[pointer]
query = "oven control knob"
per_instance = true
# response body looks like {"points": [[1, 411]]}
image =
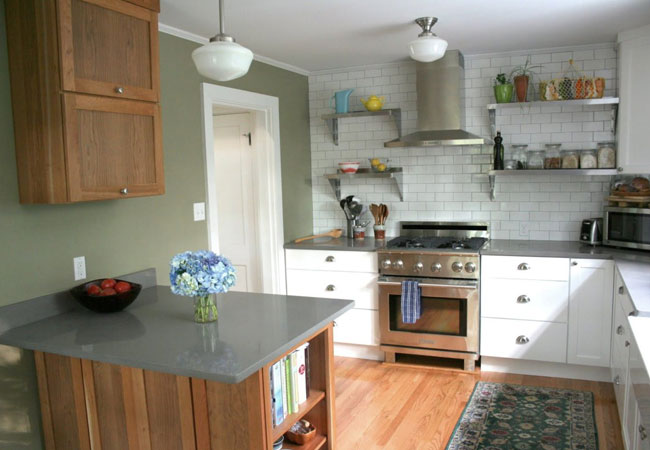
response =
{"points": [[418, 267], [399, 264], [385, 264], [437, 267], [457, 266], [470, 267]]}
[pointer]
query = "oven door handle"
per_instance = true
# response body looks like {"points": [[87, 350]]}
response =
{"points": [[469, 285]]}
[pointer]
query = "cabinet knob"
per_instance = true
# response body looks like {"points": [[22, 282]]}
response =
{"points": [[619, 169], [620, 330], [330, 287], [627, 343], [523, 299], [621, 290], [642, 432], [522, 339], [329, 259], [574, 263], [124, 191], [119, 90], [617, 380], [523, 266]]}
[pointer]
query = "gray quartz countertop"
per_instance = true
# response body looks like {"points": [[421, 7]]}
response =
{"points": [[368, 244], [157, 332]]}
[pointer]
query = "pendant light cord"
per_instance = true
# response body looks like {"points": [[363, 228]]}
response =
{"points": [[222, 19]]}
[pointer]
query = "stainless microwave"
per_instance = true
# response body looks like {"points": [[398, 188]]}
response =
{"points": [[627, 227]]}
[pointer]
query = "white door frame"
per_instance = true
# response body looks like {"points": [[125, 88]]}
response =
{"points": [[266, 140]]}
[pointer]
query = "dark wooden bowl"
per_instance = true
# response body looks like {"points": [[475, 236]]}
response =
{"points": [[109, 303], [301, 438]]}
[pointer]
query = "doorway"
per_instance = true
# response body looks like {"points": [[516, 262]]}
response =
{"points": [[243, 185]]}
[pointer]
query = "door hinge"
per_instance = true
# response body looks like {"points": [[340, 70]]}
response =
{"points": [[248, 135]]}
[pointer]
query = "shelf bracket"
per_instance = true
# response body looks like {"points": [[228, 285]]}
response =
{"points": [[399, 182], [493, 121], [614, 119], [396, 114], [493, 181], [333, 125], [336, 187]]}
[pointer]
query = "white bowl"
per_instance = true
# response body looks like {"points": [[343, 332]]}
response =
{"points": [[349, 167]]}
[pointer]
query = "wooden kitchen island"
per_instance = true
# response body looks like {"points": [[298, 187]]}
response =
{"points": [[150, 378]]}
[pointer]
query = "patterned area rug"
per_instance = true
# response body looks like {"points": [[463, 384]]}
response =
{"points": [[508, 416]]}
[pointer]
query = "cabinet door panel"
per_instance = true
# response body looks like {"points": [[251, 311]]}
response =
{"points": [[620, 355], [525, 299], [112, 145], [96, 58], [590, 312]]}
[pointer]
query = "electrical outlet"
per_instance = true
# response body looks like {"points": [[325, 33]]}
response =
{"points": [[524, 229], [79, 264], [199, 211]]}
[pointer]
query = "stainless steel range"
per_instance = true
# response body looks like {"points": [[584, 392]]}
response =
{"points": [[444, 258]]}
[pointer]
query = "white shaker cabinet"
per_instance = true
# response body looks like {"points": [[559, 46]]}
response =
{"points": [[590, 312], [634, 108]]}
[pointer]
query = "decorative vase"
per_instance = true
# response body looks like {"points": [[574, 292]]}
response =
{"points": [[205, 310], [521, 87], [503, 93]]}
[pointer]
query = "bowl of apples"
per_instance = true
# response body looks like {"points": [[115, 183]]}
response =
{"points": [[106, 295]]}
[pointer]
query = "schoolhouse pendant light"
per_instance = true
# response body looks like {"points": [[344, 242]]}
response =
{"points": [[222, 59], [427, 47]]}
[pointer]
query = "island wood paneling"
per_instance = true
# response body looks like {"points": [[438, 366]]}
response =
{"points": [[101, 406]]}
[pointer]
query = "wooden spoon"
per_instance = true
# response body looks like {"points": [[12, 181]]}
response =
{"points": [[336, 233]]}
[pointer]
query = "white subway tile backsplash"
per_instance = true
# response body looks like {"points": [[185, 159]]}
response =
{"points": [[450, 183]]}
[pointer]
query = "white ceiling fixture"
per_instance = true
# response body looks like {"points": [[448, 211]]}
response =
{"points": [[427, 47], [222, 59]]}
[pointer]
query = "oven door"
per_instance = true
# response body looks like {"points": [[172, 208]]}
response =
{"points": [[627, 227], [449, 318]]}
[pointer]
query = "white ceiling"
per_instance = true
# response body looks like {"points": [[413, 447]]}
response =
{"points": [[325, 34]]}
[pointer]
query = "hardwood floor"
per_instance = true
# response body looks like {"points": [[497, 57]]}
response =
{"points": [[395, 408]]}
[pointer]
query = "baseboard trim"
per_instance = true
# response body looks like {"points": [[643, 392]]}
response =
{"points": [[371, 352], [545, 369]]}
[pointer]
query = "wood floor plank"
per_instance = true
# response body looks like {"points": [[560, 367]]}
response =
{"points": [[388, 407]]}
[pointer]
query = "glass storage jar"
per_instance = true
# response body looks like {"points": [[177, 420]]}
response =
{"points": [[552, 160], [536, 159], [606, 155], [519, 154], [570, 159], [511, 164], [588, 159]]}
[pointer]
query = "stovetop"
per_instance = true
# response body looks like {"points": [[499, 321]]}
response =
{"points": [[436, 243]]}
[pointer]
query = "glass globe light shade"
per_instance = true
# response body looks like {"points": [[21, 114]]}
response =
{"points": [[427, 48], [222, 60]]}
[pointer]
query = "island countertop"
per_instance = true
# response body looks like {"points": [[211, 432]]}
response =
{"points": [[157, 332]]}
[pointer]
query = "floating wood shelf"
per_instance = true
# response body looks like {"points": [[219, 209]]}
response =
{"points": [[493, 174], [318, 442], [393, 173], [332, 120]]}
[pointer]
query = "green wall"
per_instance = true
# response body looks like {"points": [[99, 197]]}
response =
{"points": [[38, 242]]}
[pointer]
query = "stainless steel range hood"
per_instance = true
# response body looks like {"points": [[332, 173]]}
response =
{"points": [[441, 108]]}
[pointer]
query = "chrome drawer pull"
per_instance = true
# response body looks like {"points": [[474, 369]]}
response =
{"points": [[329, 259], [621, 290], [523, 266], [119, 90], [523, 299], [617, 380], [124, 191], [620, 330], [330, 287], [574, 263], [522, 340]]}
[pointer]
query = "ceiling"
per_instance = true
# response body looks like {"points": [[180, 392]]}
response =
{"points": [[326, 34]]}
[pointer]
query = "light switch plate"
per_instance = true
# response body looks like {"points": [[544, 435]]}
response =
{"points": [[79, 264], [199, 211]]}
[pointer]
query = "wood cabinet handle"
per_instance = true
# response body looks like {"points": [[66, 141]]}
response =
{"points": [[523, 266], [523, 299], [124, 191], [119, 90], [330, 287], [329, 259], [522, 339]]}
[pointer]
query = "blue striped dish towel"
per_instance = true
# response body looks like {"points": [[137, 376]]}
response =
{"points": [[411, 305]]}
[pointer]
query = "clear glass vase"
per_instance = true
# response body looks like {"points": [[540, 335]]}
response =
{"points": [[205, 309]]}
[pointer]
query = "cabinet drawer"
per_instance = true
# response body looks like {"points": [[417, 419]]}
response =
{"points": [[357, 326], [525, 268], [332, 260], [525, 299], [547, 341], [360, 287]]}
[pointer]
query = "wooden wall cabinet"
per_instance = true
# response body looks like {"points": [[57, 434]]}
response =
{"points": [[85, 85]]}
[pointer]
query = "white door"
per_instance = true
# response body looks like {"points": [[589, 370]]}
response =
{"points": [[590, 312], [236, 190]]}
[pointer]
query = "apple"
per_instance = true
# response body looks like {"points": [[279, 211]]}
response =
{"points": [[108, 283], [122, 286]]}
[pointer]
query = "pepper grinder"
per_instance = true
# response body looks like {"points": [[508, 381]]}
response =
{"points": [[498, 152]]}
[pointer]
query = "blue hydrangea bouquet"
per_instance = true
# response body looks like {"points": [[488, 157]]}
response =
{"points": [[200, 274]]}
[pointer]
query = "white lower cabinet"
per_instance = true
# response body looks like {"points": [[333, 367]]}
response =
{"points": [[524, 339], [350, 275], [590, 312]]}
